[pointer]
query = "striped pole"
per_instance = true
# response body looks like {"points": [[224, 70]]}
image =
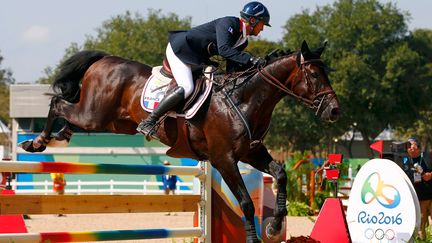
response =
{"points": [[104, 235], [93, 168]]}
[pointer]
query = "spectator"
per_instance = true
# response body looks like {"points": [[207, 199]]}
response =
{"points": [[3, 180], [169, 182], [59, 184], [421, 178]]}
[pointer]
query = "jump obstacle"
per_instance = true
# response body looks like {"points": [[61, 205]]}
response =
{"points": [[219, 210], [331, 224], [70, 204]]}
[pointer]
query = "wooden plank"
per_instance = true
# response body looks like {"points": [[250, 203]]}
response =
{"points": [[82, 204]]}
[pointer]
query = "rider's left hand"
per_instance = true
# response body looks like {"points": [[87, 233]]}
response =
{"points": [[257, 61], [427, 176]]}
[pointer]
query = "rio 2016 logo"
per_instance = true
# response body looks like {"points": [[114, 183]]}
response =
{"points": [[386, 195]]}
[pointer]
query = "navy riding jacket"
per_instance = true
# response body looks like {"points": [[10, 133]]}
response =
{"points": [[192, 46]]}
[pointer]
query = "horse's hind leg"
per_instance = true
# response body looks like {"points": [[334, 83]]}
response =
{"points": [[262, 160], [232, 177], [39, 143], [63, 136]]}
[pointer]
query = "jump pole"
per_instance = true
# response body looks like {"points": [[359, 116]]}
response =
{"points": [[104, 235], [92, 168], [202, 172]]}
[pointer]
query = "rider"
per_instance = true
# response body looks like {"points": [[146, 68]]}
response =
{"points": [[190, 50]]}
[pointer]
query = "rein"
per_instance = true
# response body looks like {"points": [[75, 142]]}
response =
{"points": [[316, 103]]}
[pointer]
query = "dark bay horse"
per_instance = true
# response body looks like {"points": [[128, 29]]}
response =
{"points": [[109, 99]]}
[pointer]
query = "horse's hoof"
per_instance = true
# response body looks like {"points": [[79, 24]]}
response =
{"points": [[271, 232], [28, 146]]}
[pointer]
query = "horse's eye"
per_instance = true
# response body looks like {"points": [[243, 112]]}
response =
{"points": [[315, 75]]}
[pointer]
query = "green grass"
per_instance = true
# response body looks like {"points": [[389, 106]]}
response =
{"points": [[428, 237]]}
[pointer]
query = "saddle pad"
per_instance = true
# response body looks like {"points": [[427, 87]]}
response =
{"points": [[155, 89]]}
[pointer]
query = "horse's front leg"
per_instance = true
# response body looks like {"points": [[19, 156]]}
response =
{"points": [[40, 142], [230, 173], [262, 160]]}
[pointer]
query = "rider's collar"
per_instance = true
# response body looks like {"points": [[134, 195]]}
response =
{"points": [[243, 37], [244, 32]]}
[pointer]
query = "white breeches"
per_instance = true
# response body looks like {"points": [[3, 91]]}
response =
{"points": [[182, 72]]}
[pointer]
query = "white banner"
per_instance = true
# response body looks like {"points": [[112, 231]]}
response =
{"points": [[383, 206]]}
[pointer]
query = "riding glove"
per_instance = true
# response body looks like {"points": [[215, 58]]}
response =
{"points": [[257, 61]]}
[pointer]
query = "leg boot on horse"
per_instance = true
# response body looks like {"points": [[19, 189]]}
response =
{"points": [[260, 158], [169, 102]]}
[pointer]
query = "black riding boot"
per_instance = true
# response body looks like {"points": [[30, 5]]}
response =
{"points": [[169, 102]]}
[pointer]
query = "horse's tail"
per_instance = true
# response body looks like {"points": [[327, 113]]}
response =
{"points": [[67, 82]]}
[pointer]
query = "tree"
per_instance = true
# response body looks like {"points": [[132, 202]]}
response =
{"points": [[5, 80], [137, 38], [131, 36], [375, 65], [262, 47], [5, 74], [296, 127], [421, 41]]}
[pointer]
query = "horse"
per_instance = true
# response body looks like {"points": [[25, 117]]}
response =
{"points": [[229, 128]]}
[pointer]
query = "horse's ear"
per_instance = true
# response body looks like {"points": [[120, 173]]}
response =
{"points": [[320, 50], [305, 48]]}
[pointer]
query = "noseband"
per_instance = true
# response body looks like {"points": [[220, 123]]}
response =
{"points": [[320, 99]]}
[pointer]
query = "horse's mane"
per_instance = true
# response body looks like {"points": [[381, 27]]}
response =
{"points": [[243, 75], [277, 54]]}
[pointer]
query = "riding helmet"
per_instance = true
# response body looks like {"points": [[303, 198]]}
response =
{"points": [[257, 10]]}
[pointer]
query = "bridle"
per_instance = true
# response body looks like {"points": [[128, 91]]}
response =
{"points": [[320, 99]]}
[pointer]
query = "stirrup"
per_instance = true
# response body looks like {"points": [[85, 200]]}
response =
{"points": [[150, 136], [148, 133]]}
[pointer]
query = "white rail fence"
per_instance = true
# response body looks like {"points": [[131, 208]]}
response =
{"points": [[111, 187]]}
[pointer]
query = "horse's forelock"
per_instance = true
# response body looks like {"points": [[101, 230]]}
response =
{"points": [[318, 62]]}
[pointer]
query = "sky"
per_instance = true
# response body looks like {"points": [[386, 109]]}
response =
{"points": [[35, 34]]}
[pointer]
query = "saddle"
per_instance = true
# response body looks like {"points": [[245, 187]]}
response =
{"points": [[200, 85]]}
